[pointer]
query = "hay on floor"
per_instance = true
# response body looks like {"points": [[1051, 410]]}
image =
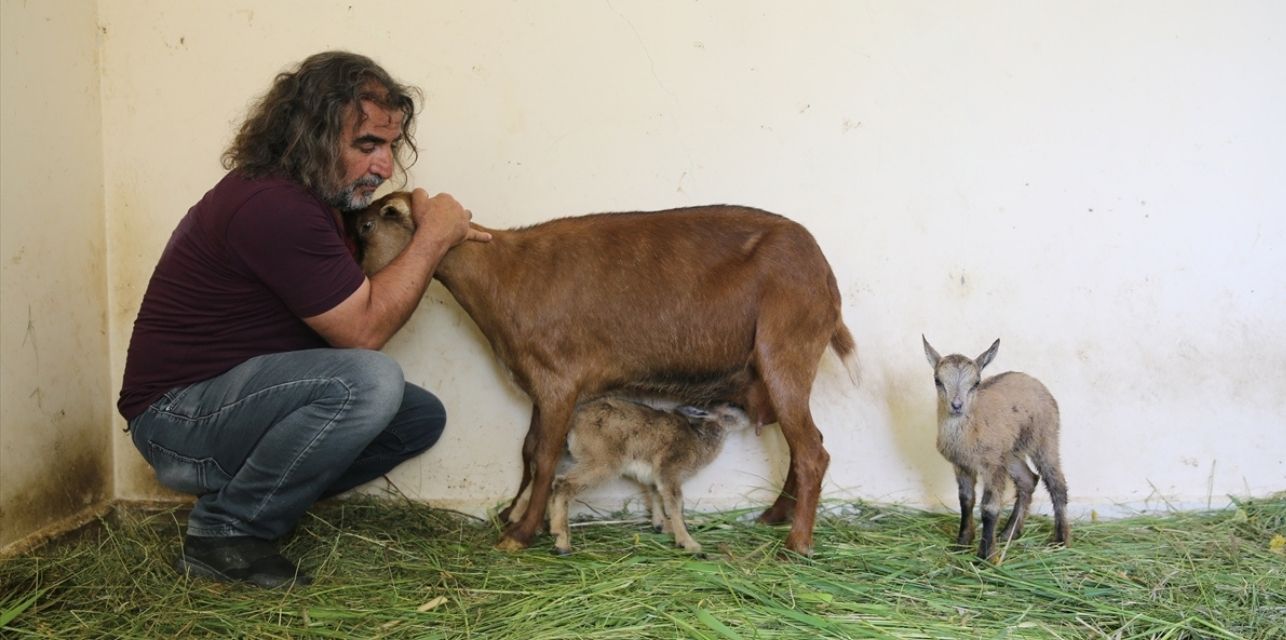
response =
{"points": [[390, 569]]}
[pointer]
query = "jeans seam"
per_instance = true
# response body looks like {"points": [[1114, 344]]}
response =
{"points": [[322, 432], [167, 411]]}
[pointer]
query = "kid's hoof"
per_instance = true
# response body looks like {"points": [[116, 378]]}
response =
{"points": [[562, 553]]}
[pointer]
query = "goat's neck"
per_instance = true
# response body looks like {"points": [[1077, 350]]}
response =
{"points": [[951, 431], [472, 272]]}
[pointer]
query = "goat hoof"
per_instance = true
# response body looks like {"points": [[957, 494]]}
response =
{"points": [[700, 555], [770, 518], [803, 551], [562, 553], [510, 545], [658, 528]]}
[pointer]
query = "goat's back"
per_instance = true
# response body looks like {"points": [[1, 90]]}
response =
{"points": [[1020, 407], [672, 295], [615, 433]]}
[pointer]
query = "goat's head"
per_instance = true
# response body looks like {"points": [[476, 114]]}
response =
{"points": [[957, 377], [383, 229], [726, 416]]}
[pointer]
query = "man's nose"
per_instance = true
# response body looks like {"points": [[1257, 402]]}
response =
{"points": [[382, 164]]}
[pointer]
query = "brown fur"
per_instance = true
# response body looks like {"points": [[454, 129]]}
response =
{"points": [[703, 304], [988, 429], [659, 450]]}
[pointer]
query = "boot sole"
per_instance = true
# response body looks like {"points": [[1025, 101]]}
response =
{"points": [[195, 568]]}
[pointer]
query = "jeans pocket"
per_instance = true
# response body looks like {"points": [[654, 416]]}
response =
{"points": [[197, 476]]}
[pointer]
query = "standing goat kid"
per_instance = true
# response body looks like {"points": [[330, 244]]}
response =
{"points": [[701, 304], [989, 428], [659, 450]]}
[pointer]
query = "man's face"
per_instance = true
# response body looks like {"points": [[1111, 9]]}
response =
{"points": [[367, 152]]}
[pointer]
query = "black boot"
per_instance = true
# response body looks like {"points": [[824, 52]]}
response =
{"points": [[238, 559]]}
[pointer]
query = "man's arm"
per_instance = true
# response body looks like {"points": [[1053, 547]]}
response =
{"points": [[369, 317]]}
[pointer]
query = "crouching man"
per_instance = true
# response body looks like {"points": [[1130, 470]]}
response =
{"points": [[253, 378]]}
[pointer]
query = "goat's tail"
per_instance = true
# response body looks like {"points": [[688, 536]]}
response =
{"points": [[844, 346]]}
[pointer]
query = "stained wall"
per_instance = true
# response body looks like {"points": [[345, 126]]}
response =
{"points": [[55, 387]]}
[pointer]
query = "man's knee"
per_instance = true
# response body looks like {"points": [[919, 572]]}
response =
{"points": [[424, 418], [374, 384], [378, 376]]}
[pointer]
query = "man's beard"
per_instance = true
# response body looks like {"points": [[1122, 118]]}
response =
{"points": [[348, 198]]}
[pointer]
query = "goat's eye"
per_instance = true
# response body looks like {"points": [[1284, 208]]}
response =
{"points": [[366, 227], [938, 383], [389, 212]]}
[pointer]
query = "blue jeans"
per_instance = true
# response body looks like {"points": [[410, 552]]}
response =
{"points": [[261, 443]]}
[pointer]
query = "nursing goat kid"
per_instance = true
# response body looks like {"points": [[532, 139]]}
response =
{"points": [[658, 449], [988, 429], [701, 304]]}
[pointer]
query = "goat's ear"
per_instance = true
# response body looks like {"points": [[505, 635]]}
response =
{"points": [[930, 353], [988, 355], [693, 414]]}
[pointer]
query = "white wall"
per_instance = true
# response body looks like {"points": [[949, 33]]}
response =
{"points": [[1098, 185], [55, 407]]}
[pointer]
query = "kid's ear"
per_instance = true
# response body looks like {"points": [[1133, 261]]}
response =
{"points": [[988, 355], [930, 353]]}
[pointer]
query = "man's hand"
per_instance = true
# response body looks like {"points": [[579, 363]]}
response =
{"points": [[443, 218], [384, 302]]}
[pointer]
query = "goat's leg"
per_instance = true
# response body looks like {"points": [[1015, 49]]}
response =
{"points": [[965, 481], [789, 342], [672, 496], [566, 487], [759, 408], [554, 421], [516, 507], [1047, 463], [654, 507], [784, 505], [558, 526], [808, 459], [1024, 486], [808, 462], [993, 490]]}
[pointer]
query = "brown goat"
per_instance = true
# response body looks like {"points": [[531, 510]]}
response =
{"points": [[989, 428], [702, 304]]}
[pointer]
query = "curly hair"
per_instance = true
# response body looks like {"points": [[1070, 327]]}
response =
{"points": [[295, 130]]}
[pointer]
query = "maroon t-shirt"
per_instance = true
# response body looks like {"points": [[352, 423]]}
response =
{"points": [[243, 266]]}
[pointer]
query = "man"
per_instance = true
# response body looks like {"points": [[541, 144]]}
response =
{"points": [[253, 378]]}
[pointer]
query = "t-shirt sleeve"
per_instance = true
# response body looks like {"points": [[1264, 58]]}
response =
{"points": [[297, 249]]}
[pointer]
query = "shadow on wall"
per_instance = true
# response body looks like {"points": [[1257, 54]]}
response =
{"points": [[915, 431]]}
